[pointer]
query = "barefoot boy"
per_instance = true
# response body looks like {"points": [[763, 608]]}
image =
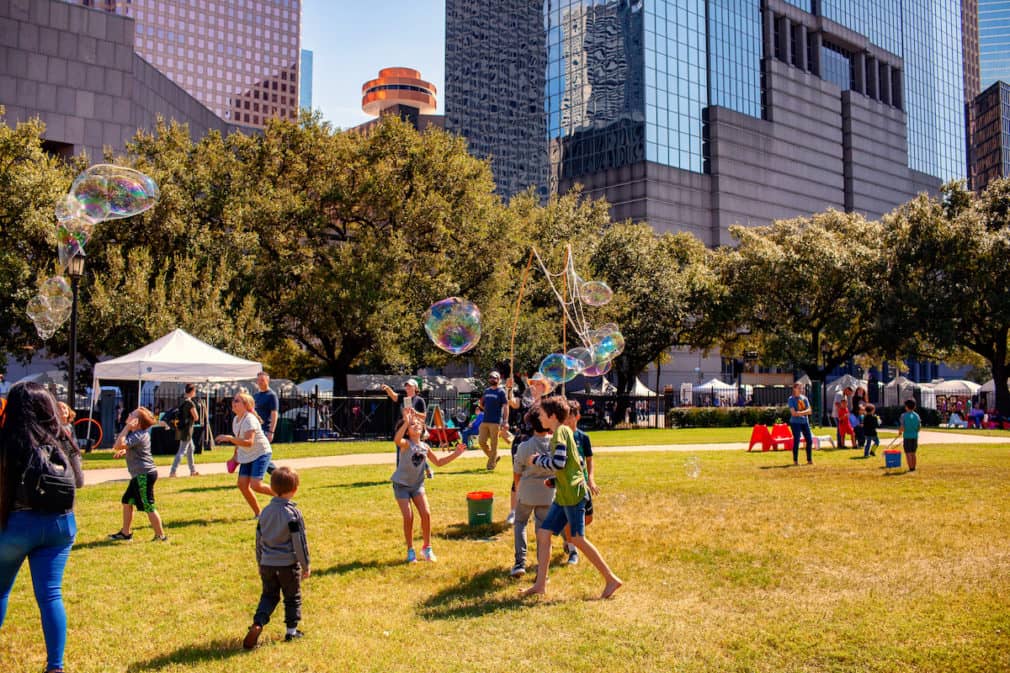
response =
{"points": [[569, 505]]}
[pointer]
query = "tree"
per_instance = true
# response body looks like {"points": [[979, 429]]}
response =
{"points": [[181, 264], [948, 276], [358, 234], [803, 292], [31, 181], [660, 283]]}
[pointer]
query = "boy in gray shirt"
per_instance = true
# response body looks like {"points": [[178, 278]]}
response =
{"points": [[283, 556], [534, 495]]}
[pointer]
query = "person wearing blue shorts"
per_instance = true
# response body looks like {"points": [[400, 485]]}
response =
{"points": [[408, 481], [570, 498], [252, 450]]}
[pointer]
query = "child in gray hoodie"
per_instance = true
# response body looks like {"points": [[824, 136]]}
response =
{"points": [[283, 556]]}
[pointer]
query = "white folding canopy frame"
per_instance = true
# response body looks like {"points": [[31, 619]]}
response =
{"points": [[177, 356]]}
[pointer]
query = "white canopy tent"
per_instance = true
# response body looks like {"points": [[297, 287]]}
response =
{"points": [[956, 387], [716, 388], [177, 356]]}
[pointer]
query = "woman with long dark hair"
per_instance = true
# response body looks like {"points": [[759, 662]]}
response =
{"points": [[31, 421]]}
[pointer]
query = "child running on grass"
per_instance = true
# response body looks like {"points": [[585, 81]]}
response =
{"points": [[908, 428], [845, 428], [408, 481], [585, 448], [282, 553], [569, 505]]}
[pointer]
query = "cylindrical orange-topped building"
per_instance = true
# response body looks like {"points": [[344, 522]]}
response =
{"points": [[398, 86]]}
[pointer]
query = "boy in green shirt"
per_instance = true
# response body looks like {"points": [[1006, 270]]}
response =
{"points": [[569, 505]]}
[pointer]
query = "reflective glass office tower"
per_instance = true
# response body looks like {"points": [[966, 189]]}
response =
{"points": [[696, 113], [994, 40]]}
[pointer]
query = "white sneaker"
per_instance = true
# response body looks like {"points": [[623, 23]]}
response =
{"points": [[511, 518]]}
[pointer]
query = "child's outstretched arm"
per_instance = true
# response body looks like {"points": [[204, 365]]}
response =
{"points": [[445, 460]]}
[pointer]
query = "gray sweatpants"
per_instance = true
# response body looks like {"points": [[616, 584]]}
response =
{"points": [[523, 512]]}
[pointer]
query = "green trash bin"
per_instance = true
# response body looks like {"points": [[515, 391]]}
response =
{"points": [[479, 506], [285, 431]]}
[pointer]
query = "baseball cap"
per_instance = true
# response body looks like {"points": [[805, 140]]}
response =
{"points": [[494, 376]]}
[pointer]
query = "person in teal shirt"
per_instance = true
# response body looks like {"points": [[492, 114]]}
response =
{"points": [[569, 506], [908, 428]]}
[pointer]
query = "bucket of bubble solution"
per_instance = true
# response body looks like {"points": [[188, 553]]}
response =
{"points": [[479, 505]]}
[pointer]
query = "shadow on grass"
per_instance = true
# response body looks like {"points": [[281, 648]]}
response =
{"points": [[207, 489], [357, 484], [462, 531], [185, 523], [777, 467], [94, 544], [342, 568], [215, 650], [473, 596]]}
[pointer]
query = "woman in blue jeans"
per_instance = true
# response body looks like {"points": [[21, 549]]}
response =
{"points": [[799, 423], [44, 538]]}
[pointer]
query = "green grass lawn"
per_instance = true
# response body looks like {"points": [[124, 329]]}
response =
{"points": [[751, 566]]}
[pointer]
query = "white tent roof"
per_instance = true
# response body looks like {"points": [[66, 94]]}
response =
{"points": [[956, 387], [641, 390], [710, 386], [177, 356], [988, 387]]}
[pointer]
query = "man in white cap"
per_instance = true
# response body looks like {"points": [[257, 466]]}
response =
{"points": [[494, 402], [408, 399]]}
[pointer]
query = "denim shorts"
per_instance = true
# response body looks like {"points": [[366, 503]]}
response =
{"points": [[256, 469], [401, 492], [573, 515]]}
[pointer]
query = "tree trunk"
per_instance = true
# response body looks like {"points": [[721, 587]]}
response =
{"points": [[1000, 370]]}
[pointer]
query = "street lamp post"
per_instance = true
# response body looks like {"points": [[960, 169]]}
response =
{"points": [[75, 268]]}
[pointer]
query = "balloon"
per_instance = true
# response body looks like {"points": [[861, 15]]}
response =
{"points": [[560, 368], [453, 324], [108, 192], [596, 293]]}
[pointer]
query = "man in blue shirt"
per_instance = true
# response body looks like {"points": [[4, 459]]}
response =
{"points": [[267, 405], [493, 401]]}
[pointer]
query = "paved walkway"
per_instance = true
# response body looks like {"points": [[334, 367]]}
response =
{"points": [[387, 457]]}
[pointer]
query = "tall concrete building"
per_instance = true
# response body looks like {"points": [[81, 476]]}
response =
{"points": [[698, 114], [237, 57], [75, 68], [994, 40]]}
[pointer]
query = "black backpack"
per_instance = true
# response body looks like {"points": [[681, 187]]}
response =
{"points": [[47, 483]]}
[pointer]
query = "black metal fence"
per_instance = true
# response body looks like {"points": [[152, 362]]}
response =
{"points": [[307, 417]]}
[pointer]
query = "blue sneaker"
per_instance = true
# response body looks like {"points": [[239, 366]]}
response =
{"points": [[411, 556]]}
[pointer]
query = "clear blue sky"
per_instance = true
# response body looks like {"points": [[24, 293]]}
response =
{"points": [[351, 41]]}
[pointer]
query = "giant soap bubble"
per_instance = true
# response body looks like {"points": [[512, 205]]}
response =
{"points": [[453, 324], [108, 192], [560, 368], [596, 292]]}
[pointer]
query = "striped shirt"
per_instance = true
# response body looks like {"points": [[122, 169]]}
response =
{"points": [[564, 460]]}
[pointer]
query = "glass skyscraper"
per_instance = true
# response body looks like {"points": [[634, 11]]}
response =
{"points": [[994, 40], [616, 68], [305, 83]]}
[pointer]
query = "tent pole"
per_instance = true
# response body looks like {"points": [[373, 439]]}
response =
{"points": [[91, 412]]}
